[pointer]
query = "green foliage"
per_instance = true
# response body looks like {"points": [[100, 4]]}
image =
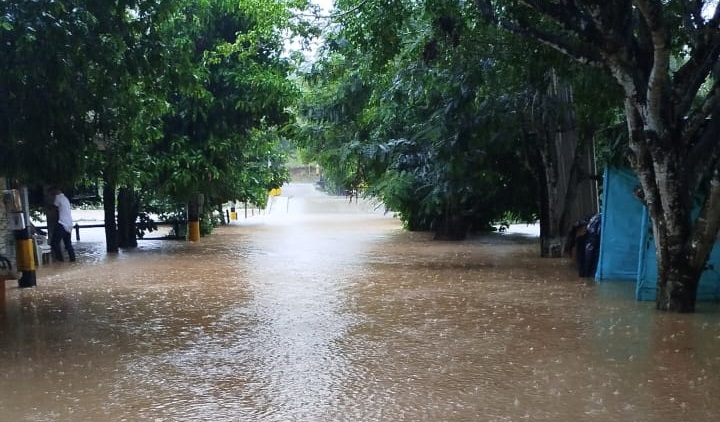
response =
{"points": [[421, 122], [144, 224], [221, 137], [209, 221], [71, 78], [439, 115], [171, 97]]}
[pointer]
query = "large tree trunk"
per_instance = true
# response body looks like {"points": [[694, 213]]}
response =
{"points": [[677, 278], [661, 194], [451, 227], [546, 244], [127, 216], [564, 167], [194, 212], [111, 239], [683, 245], [683, 248]]}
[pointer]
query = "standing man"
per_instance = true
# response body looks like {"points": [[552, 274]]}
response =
{"points": [[63, 229]]}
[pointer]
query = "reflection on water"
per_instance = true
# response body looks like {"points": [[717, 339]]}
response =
{"points": [[326, 311]]}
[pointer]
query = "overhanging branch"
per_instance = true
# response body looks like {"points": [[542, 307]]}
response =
{"points": [[572, 37], [706, 225], [706, 151], [697, 119], [688, 79]]}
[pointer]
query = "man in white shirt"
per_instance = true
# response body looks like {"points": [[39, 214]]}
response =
{"points": [[63, 229]]}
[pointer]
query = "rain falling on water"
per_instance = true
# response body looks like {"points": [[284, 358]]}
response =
{"points": [[323, 310]]}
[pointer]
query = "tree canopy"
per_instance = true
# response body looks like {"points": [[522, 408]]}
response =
{"points": [[665, 56], [221, 134], [179, 96], [428, 108], [70, 71]]}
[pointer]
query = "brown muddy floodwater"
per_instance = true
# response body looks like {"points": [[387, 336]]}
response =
{"points": [[324, 311]]}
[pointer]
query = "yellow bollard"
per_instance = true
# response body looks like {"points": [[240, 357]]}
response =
{"points": [[25, 252], [193, 231], [233, 216], [25, 262]]}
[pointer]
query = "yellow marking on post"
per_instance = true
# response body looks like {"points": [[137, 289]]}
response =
{"points": [[193, 231], [25, 252]]}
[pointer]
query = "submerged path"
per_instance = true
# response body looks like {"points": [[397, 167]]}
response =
{"points": [[327, 311]]}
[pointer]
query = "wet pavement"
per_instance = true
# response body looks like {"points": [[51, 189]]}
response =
{"points": [[323, 310]]}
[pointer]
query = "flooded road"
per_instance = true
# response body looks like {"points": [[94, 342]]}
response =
{"points": [[327, 311]]}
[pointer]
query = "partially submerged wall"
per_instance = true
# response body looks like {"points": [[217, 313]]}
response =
{"points": [[627, 249], [622, 217], [646, 288]]}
